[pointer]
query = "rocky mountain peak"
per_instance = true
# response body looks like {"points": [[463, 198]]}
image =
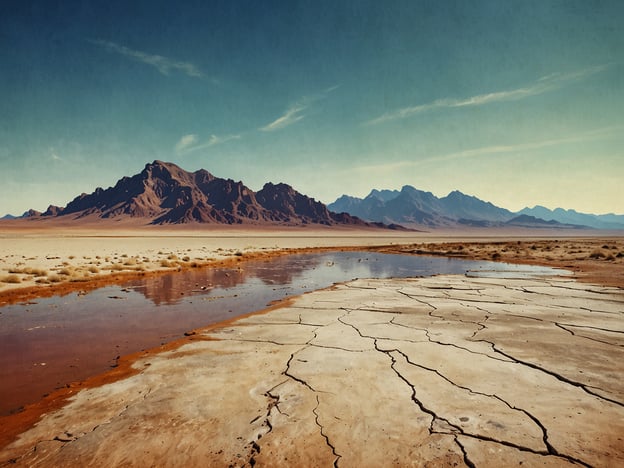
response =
{"points": [[164, 193]]}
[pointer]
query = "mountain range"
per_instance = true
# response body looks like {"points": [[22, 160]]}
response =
{"points": [[164, 193], [605, 221], [417, 208]]}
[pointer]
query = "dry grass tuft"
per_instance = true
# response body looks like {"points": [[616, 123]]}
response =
{"points": [[29, 271], [12, 279], [597, 255]]}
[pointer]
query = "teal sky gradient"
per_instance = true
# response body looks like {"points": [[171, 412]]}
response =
{"points": [[516, 102]]}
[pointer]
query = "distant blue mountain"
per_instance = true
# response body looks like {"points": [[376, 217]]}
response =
{"points": [[9, 216], [606, 221], [528, 221], [413, 206]]}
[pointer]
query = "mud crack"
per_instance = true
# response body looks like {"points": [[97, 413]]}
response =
{"points": [[323, 434], [562, 378]]}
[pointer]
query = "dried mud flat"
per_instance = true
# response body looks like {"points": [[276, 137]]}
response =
{"points": [[441, 371]]}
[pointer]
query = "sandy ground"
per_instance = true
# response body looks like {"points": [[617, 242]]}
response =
{"points": [[38, 262], [442, 371]]}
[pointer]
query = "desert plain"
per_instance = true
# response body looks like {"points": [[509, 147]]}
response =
{"points": [[448, 370]]}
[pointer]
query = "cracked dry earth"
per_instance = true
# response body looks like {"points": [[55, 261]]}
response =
{"points": [[441, 371]]}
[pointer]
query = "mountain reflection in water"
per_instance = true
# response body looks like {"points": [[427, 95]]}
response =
{"points": [[297, 273], [174, 288]]}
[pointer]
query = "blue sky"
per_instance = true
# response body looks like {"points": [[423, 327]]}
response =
{"points": [[516, 102]]}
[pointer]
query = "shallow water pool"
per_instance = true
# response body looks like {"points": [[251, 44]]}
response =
{"points": [[54, 341]]}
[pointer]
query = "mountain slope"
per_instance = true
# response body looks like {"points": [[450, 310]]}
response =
{"points": [[460, 206], [164, 193], [608, 221], [527, 221]]}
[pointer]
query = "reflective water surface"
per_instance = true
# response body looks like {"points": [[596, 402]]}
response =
{"points": [[53, 341]]}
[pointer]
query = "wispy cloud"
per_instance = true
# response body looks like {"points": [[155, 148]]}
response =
{"points": [[295, 112], [291, 116], [163, 64], [590, 135], [189, 143], [54, 155], [542, 85]]}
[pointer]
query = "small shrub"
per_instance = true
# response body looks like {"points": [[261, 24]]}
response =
{"points": [[94, 269], [166, 263], [13, 279], [55, 279], [29, 271], [66, 271], [596, 255], [496, 256]]}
